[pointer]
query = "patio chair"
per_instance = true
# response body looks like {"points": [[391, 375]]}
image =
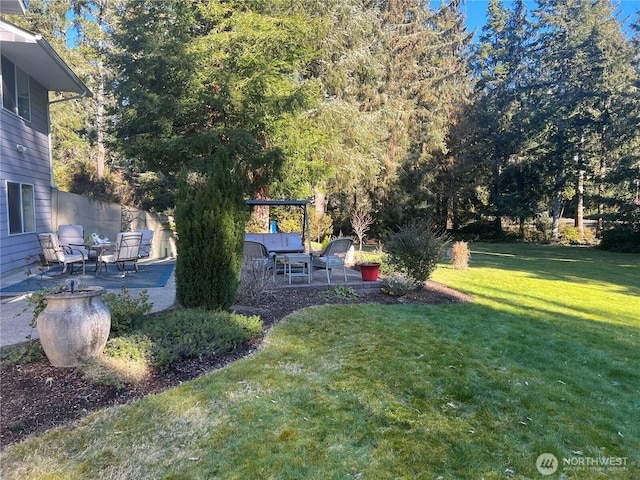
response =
{"points": [[72, 236], [333, 256], [54, 253], [147, 241], [256, 253], [126, 251]]}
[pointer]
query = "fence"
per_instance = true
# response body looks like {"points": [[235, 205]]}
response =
{"points": [[107, 219]]}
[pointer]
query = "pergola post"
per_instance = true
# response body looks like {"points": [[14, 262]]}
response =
{"points": [[306, 230]]}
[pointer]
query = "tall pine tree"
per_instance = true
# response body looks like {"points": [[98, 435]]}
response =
{"points": [[584, 66]]}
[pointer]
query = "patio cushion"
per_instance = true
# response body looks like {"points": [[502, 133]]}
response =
{"points": [[147, 241], [73, 236], [278, 242]]}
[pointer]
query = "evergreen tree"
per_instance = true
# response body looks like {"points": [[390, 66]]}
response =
{"points": [[583, 61], [208, 90], [263, 49], [154, 114], [210, 217], [502, 109], [339, 157], [627, 174], [427, 84]]}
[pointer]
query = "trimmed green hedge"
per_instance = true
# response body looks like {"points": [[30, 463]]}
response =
{"points": [[191, 333], [621, 239]]}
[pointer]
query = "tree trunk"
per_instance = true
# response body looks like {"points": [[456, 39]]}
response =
{"points": [[261, 212], [100, 100], [579, 216], [603, 172], [497, 175], [557, 201], [100, 123], [320, 201], [560, 153]]}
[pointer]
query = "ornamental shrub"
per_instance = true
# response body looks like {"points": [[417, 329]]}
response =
{"points": [[126, 310], [460, 255], [622, 238], [191, 333], [255, 282], [416, 248], [210, 217], [398, 284]]}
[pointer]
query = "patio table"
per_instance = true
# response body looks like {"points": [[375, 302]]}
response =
{"points": [[98, 248], [299, 259]]}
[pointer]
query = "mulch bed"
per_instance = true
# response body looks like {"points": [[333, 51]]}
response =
{"points": [[35, 397]]}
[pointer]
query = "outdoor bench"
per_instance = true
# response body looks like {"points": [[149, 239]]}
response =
{"points": [[278, 243]]}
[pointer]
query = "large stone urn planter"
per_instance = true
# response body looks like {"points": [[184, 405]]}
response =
{"points": [[74, 326]]}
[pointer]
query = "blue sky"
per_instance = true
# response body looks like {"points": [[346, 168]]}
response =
{"points": [[476, 10]]}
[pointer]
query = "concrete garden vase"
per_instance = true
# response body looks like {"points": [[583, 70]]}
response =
{"points": [[74, 326]]}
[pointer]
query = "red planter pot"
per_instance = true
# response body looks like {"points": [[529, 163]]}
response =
{"points": [[369, 271]]}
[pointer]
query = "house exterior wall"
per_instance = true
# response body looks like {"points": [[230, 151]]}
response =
{"points": [[53, 207], [31, 167]]}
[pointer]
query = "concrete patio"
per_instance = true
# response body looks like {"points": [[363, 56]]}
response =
{"points": [[15, 316]]}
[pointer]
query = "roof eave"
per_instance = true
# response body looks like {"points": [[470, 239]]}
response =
{"points": [[36, 57], [48, 49]]}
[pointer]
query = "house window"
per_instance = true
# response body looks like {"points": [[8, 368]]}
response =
{"points": [[22, 211], [15, 90]]}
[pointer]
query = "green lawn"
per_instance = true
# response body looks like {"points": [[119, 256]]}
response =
{"points": [[546, 360]]}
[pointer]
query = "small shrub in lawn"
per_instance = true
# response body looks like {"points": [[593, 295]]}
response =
{"points": [[343, 292], [255, 281], [193, 333], [398, 284], [460, 255], [571, 236], [623, 239], [126, 310], [27, 352], [416, 248]]}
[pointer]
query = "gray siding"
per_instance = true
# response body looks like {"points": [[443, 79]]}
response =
{"points": [[30, 167]]}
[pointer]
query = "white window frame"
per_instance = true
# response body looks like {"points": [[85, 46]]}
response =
{"points": [[24, 207], [20, 97]]}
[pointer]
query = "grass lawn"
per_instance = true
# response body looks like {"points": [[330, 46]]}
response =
{"points": [[546, 360]]}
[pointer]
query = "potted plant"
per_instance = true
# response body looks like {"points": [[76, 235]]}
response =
{"points": [[73, 323], [369, 271]]}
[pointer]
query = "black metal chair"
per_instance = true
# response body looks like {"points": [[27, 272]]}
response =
{"points": [[126, 250]]}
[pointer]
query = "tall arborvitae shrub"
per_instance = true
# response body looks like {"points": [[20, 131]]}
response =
{"points": [[210, 217]]}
